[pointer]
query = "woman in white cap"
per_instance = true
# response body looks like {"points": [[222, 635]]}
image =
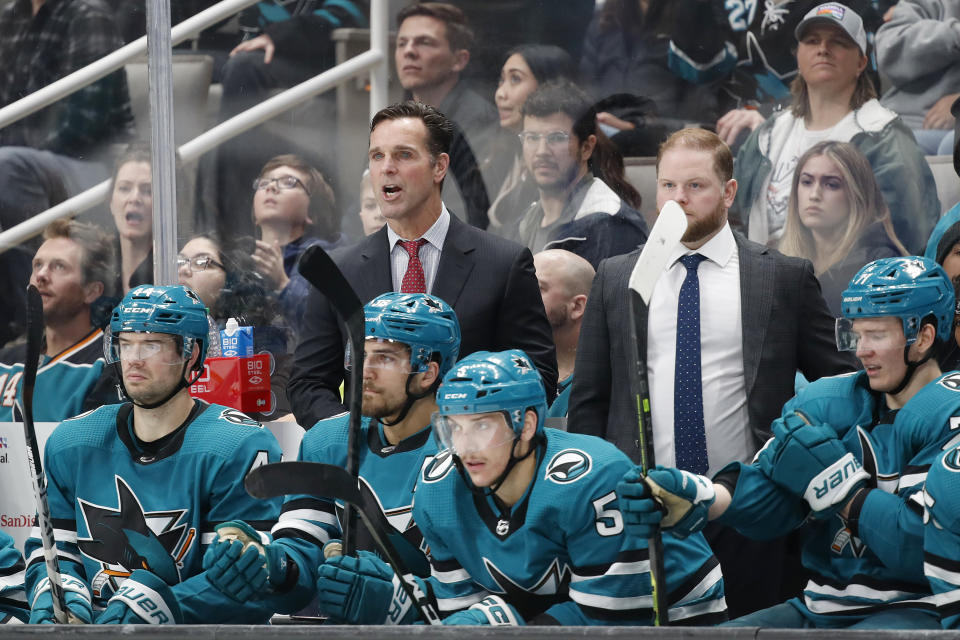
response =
{"points": [[833, 99]]}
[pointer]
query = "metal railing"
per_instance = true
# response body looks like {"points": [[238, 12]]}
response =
{"points": [[374, 61]]}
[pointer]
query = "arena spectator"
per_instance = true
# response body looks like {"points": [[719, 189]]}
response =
{"points": [[63, 149], [71, 269], [525, 68], [294, 208], [747, 48], [565, 280], [919, 52], [834, 100], [287, 43], [625, 62], [767, 319], [131, 205], [489, 281], [585, 204], [836, 217], [370, 217], [229, 285], [433, 48]]}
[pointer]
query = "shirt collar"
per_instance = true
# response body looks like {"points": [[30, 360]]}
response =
{"points": [[434, 236], [717, 249]]}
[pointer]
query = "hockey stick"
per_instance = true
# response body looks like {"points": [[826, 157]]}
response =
{"points": [[44, 523], [330, 481], [322, 272], [666, 233]]}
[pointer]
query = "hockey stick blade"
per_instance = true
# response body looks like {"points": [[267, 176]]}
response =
{"points": [[330, 481], [322, 272], [668, 228], [44, 523]]}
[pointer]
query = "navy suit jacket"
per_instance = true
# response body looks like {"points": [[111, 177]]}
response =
{"points": [[490, 282], [786, 327]]}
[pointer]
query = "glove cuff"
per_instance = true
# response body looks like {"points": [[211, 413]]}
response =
{"points": [[498, 612], [67, 582], [149, 597]]}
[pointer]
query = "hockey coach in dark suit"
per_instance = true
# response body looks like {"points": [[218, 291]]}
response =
{"points": [[490, 282], [729, 324]]}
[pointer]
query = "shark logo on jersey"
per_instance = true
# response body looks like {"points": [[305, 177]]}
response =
{"points": [[536, 598], [128, 538], [437, 468], [238, 417], [950, 381], [568, 466]]}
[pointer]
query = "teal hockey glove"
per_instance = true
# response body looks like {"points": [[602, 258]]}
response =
{"points": [[813, 464], [492, 610], [361, 590], [242, 564], [75, 592], [642, 514], [143, 598], [686, 496]]}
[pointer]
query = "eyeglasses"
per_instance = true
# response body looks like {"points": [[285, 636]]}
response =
{"points": [[283, 182], [554, 138], [198, 263]]}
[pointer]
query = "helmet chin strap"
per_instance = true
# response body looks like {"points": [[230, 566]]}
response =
{"points": [[911, 369], [496, 484], [183, 384], [411, 399]]}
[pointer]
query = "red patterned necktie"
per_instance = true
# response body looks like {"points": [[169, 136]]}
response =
{"points": [[413, 280]]}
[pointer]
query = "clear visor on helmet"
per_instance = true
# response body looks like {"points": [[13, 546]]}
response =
{"points": [[871, 333], [130, 346], [381, 354], [472, 432]]}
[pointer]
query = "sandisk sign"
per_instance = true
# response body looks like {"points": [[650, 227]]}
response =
{"points": [[241, 383]]}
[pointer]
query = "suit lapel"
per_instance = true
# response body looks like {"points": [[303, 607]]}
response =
{"points": [[756, 300], [456, 262], [375, 277]]}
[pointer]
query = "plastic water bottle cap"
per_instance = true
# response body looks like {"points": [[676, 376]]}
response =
{"points": [[232, 327]]}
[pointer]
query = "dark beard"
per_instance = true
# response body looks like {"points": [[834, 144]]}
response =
{"points": [[701, 228]]}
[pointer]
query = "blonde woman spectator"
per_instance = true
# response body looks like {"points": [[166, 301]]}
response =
{"points": [[836, 217]]}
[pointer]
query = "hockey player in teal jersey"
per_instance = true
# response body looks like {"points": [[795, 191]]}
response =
{"points": [[847, 462], [136, 489], [69, 270], [941, 535], [412, 339], [522, 522], [13, 604]]}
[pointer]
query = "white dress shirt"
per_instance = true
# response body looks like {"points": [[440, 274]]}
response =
{"points": [[429, 252], [725, 416]]}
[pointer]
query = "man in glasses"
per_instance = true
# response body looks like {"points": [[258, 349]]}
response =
{"points": [[847, 462], [583, 207], [136, 489], [70, 270], [412, 340]]}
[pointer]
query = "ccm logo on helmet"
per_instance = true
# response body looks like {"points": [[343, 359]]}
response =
{"points": [[454, 396]]}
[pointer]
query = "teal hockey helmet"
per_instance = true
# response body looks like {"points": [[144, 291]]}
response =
{"points": [[424, 323], [172, 309], [910, 288], [503, 381]]}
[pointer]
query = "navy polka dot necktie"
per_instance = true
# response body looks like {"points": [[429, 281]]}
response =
{"points": [[690, 439], [413, 280]]}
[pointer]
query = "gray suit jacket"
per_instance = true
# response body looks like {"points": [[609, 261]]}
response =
{"points": [[489, 281], [786, 327]]}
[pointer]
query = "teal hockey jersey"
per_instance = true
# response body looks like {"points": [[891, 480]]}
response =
{"points": [[559, 555], [116, 507]]}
